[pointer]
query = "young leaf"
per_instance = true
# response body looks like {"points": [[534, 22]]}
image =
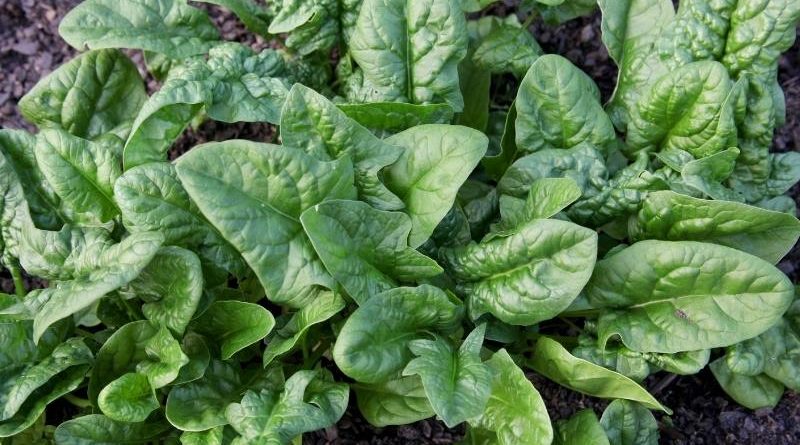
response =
{"points": [[528, 276], [394, 402], [670, 216], [686, 296], [582, 428], [366, 250], [401, 59], [372, 346], [254, 16], [457, 383], [556, 363], [170, 27], [629, 423], [95, 93], [515, 411], [311, 122], [254, 194], [558, 106], [235, 325], [436, 160], [129, 398], [754, 392]]}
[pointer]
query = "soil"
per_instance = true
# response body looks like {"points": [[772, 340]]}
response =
{"points": [[30, 48]]}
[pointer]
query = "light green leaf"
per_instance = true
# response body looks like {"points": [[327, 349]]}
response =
{"points": [[95, 93], [234, 325], [321, 308], [508, 48], [96, 429], [766, 234], [129, 398], [436, 161], [372, 346], [394, 402], [515, 412], [409, 52], [629, 423], [313, 123], [394, 117], [528, 276], [254, 194], [307, 403], [686, 296], [754, 392], [457, 383], [170, 27], [254, 16], [558, 106], [117, 266], [81, 173], [366, 250], [582, 428], [546, 198], [556, 363]]}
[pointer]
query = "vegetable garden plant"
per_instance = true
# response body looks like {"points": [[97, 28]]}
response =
{"points": [[416, 238]]}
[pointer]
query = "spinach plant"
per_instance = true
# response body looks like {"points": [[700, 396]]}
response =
{"points": [[409, 236]]}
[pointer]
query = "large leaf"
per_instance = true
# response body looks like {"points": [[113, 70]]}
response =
{"points": [[558, 106], [313, 123], [234, 325], [96, 429], [556, 363], [403, 58], [254, 194], [394, 402], [528, 276], [436, 160], [117, 266], [372, 346], [456, 382], [686, 296], [754, 392], [170, 27], [366, 250], [307, 403], [95, 93], [515, 412], [670, 216]]}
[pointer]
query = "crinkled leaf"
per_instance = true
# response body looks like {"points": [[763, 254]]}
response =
{"points": [[395, 117], [629, 423], [96, 429]]}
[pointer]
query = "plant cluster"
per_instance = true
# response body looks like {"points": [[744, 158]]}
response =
{"points": [[448, 209]]}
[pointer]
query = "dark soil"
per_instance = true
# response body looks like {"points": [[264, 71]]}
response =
{"points": [[30, 48]]}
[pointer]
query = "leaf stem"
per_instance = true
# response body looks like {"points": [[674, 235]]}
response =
{"points": [[77, 401], [19, 283]]}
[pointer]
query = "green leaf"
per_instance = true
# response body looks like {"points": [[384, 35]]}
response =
{"points": [[321, 308], [151, 198], [254, 194], [393, 402], [129, 398], [629, 423], [315, 25], [528, 276], [498, 160], [546, 198], [372, 346], [81, 173], [556, 363], [754, 392], [307, 403], [508, 48], [27, 388], [402, 60], [96, 429], [582, 428], [254, 16], [214, 436], [200, 405], [170, 27], [558, 106], [234, 325], [457, 383], [691, 108], [95, 93], [436, 160], [171, 285], [311, 122], [394, 117], [686, 296], [515, 412], [630, 30], [366, 250], [117, 266], [766, 234]]}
